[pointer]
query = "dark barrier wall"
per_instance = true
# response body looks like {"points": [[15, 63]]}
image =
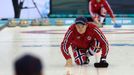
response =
{"points": [[122, 6], [69, 6], [81, 6]]}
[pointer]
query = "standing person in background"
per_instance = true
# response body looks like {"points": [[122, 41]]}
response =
{"points": [[28, 65], [98, 10], [17, 9]]}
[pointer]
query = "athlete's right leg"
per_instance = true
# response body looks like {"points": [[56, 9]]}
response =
{"points": [[102, 15]]}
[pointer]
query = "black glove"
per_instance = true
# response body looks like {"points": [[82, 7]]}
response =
{"points": [[102, 64]]}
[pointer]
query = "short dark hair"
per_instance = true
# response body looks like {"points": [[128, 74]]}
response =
{"points": [[28, 65]]}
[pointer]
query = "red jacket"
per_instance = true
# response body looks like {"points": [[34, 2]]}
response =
{"points": [[94, 7], [73, 38]]}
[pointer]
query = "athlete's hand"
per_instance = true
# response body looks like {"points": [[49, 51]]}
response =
{"points": [[114, 21], [69, 63], [97, 22]]}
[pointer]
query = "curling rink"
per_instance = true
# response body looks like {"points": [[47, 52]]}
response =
{"points": [[44, 42]]}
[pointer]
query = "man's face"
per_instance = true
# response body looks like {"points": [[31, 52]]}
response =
{"points": [[81, 28], [98, 1]]}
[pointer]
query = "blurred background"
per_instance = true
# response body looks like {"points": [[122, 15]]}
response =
{"points": [[28, 8], [33, 9], [68, 8], [64, 8]]}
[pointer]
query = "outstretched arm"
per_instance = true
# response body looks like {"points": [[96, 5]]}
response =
{"points": [[64, 47]]}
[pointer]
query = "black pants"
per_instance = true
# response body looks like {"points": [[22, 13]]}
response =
{"points": [[17, 9]]}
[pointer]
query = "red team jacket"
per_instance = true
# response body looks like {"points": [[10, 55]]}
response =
{"points": [[95, 7], [83, 41]]}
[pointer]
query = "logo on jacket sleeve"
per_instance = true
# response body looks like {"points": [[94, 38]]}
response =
{"points": [[88, 37]]}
